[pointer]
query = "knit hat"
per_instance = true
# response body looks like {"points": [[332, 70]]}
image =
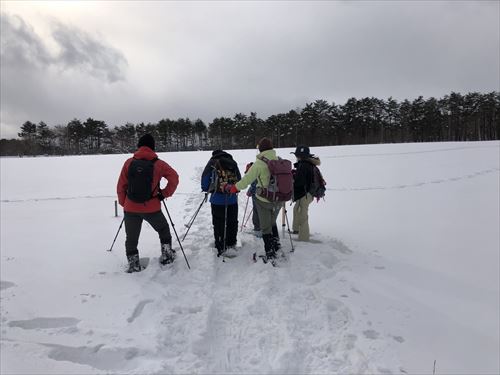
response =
{"points": [[302, 152], [217, 152], [265, 144], [146, 140], [249, 165]]}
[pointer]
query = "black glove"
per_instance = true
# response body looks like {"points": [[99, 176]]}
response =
{"points": [[160, 195]]}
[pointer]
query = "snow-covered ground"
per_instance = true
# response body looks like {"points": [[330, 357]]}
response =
{"points": [[403, 271]]}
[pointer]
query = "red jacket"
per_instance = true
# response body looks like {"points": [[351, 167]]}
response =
{"points": [[161, 169]]}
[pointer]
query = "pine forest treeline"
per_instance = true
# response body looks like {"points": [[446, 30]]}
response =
{"points": [[455, 117]]}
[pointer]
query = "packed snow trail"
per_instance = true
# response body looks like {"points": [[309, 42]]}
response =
{"points": [[374, 292], [219, 317], [251, 317]]}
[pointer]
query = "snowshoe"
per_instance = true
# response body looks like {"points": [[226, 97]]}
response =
{"points": [[167, 254], [136, 264], [230, 252]]}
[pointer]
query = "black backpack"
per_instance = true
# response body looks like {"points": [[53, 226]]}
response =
{"points": [[223, 172], [140, 180], [318, 184]]}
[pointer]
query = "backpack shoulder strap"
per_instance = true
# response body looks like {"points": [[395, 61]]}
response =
{"points": [[264, 159], [152, 160]]}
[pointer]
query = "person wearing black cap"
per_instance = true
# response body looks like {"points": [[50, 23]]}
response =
{"points": [[139, 194], [222, 169], [303, 178]]}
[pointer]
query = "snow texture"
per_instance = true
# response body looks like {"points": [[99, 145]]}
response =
{"points": [[402, 269]]}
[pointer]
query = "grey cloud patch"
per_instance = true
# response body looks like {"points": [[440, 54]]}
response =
{"points": [[22, 47], [79, 49], [266, 57]]}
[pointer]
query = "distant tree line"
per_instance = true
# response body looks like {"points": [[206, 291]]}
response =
{"points": [[455, 117]]}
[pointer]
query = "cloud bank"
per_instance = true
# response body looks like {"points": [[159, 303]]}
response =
{"points": [[206, 59]]}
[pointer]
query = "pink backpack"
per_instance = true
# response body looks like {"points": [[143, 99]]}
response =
{"points": [[280, 187]]}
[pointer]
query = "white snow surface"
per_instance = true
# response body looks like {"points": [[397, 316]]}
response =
{"points": [[402, 271]]}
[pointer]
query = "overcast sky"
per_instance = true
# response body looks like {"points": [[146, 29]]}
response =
{"points": [[134, 61]]}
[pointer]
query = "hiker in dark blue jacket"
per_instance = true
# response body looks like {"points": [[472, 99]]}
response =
{"points": [[220, 170]]}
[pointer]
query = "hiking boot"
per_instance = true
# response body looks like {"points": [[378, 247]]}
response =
{"points": [[269, 246], [133, 263], [276, 244], [276, 239], [167, 254], [230, 252]]}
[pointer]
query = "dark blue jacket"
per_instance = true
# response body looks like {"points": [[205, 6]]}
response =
{"points": [[253, 188], [227, 162]]}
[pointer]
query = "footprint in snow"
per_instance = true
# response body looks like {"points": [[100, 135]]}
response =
{"points": [[98, 357], [328, 260], [86, 296], [138, 310], [371, 334], [399, 339], [187, 310], [44, 323], [337, 244], [6, 284], [350, 341]]}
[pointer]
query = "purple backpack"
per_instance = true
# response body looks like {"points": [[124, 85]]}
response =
{"points": [[280, 187]]}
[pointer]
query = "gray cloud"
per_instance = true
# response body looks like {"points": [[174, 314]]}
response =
{"points": [[20, 45], [207, 59], [77, 50], [39, 84]]}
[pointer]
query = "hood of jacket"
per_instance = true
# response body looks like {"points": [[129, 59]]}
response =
{"points": [[268, 154], [226, 161], [145, 153], [314, 160]]}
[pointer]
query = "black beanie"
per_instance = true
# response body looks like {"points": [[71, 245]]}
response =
{"points": [[146, 140]]}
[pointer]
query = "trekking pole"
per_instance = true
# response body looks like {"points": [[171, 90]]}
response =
{"points": [[191, 221], [244, 214], [120, 227], [248, 218], [283, 215], [173, 227], [289, 233]]}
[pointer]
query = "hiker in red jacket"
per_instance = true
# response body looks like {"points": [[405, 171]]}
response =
{"points": [[140, 195]]}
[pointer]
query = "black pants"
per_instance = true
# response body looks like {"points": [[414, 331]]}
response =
{"points": [[218, 213], [133, 224]]}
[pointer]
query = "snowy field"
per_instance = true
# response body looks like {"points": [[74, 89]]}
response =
{"points": [[403, 271]]}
